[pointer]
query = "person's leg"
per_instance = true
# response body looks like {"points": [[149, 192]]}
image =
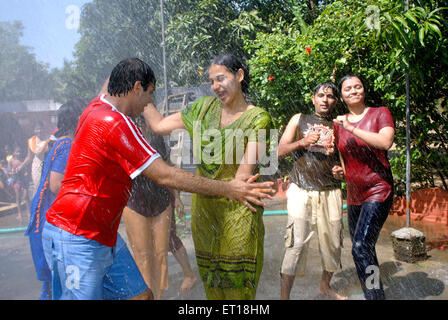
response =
{"points": [[49, 240], [298, 234], [286, 284], [145, 295], [78, 265], [372, 217], [158, 263], [40, 264], [176, 247], [353, 213], [190, 278], [325, 287], [27, 202], [45, 293], [123, 281], [17, 197], [138, 230], [328, 209]]}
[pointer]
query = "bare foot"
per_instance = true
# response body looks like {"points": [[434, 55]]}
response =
{"points": [[331, 293], [188, 283]]}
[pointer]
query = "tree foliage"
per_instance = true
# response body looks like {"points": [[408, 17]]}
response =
{"points": [[21, 76], [195, 31], [112, 30]]}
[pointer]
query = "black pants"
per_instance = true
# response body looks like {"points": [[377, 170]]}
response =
{"points": [[365, 222]]}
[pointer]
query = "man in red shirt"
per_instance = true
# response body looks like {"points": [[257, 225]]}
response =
{"points": [[109, 151]]}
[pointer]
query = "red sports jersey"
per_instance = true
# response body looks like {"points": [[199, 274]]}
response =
{"points": [[368, 173], [108, 151]]}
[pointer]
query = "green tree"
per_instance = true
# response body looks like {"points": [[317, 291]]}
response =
{"points": [[21, 76], [112, 30], [199, 32], [195, 31], [205, 28]]}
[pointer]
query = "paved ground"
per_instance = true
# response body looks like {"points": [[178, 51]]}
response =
{"points": [[402, 281]]}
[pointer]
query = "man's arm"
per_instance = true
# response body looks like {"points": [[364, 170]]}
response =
{"points": [[288, 141], [237, 190]]}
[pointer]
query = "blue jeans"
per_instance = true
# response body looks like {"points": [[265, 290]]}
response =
{"points": [[84, 269], [365, 222]]}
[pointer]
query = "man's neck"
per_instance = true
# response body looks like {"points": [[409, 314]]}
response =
{"points": [[120, 103], [322, 115]]}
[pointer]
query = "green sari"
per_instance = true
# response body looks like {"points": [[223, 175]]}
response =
{"points": [[227, 236]]}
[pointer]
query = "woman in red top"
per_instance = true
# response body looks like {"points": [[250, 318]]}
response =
{"points": [[363, 137]]}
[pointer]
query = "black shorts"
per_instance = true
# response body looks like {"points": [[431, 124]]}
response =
{"points": [[148, 198]]}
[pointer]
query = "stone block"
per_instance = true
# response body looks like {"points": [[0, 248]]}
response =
{"points": [[409, 245]]}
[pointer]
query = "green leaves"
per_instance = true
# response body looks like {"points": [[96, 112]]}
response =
{"points": [[21, 76]]}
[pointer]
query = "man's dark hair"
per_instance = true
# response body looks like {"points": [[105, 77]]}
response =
{"points": [[326, 85], [233, 64], [68, 116], [126, 73]]}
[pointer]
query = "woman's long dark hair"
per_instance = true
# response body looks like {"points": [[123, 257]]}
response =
{"points": [[68, 116]]}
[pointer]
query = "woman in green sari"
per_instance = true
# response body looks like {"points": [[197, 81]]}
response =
{"points": [[228, 136]]}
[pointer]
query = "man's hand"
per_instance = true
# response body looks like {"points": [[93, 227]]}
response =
{"points": [[338, 172], [250, 192], [310, 139]]}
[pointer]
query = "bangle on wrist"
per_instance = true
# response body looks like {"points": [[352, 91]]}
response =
{"points": [[353, 129], [300, 144]]}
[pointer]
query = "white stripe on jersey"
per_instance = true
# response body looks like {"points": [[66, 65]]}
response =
{"points": [[144, 166]]}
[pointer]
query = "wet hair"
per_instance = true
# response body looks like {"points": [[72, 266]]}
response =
{"points": [[68, 116], [233, 64], [327, 85], [126, 73], [349, 76]]}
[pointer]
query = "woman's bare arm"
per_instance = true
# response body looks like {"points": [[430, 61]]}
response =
{"points": [[160, 125], [381, 140]]}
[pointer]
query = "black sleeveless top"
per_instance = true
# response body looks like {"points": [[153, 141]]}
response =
{"points": [[313, 165]]}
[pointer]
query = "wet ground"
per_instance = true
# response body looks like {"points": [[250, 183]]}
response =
{"points": [[426, 280]]}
